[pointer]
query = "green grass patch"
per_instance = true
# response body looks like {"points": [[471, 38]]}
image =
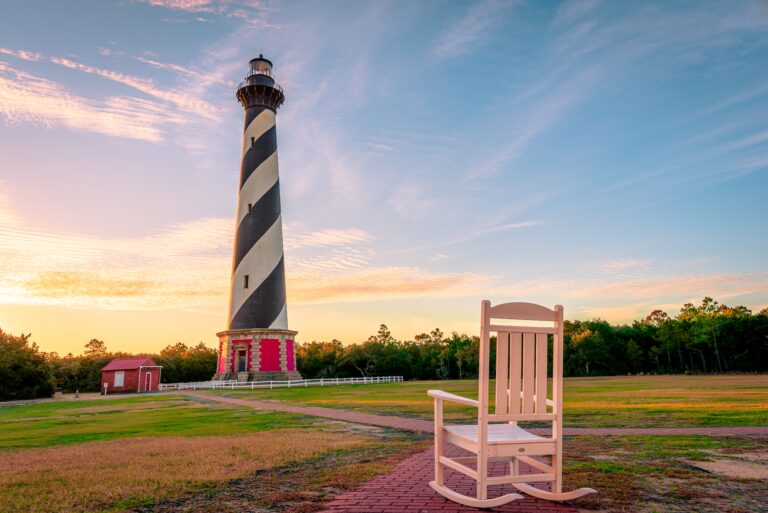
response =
{"points": [[73, 422], [622, 401]]}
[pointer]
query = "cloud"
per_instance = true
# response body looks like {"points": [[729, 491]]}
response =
{"points": [[546, 109], [572, 10], [249, 11], [680, 286], [109, 52], [176, 68], [21, 54], [377, 283], [470, 30], [625, 264], [210, 6], [183, 101], [55, 284], [189, 264], [297, 236], [30, 99]]}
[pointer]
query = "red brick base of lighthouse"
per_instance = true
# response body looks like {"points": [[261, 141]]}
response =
{"points": [[257, 355]]}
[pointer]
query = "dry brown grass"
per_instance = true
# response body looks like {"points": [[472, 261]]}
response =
{"points": [[654, 474], [107, 476]]}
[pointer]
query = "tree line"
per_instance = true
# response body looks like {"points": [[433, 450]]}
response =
{"points": [[706, 338], [26, 372]]}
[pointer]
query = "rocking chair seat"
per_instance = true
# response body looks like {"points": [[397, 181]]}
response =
{"points": [[497, 433]]}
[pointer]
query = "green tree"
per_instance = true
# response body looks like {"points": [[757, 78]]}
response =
{"points": [[24, 371], [95, 347]]}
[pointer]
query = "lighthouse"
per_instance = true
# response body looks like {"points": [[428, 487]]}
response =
{"points": [[257, 343]]}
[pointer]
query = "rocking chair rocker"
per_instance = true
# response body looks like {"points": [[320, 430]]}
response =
{"points": [[521, 395]]}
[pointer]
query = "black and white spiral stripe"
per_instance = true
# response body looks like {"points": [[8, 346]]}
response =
{"points": [[259, 237]]}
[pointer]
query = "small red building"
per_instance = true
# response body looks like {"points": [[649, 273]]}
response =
{"points": [[130, 375]]}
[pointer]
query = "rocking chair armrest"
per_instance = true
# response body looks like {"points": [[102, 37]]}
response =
{"points": [[445, 396]]}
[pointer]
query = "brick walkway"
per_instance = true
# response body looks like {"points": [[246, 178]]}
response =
{"points": [[426, 426], [406, 490]]}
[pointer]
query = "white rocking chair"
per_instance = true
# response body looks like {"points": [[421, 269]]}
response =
{"points": [[521, 395]]}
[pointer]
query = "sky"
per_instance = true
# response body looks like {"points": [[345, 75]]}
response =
{"points": [[607, 156]]}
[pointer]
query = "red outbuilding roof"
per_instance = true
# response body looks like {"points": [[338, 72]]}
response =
{"points": [[128, 364]]}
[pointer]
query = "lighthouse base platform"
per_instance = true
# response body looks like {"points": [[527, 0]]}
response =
{"points": [[257, 354]]}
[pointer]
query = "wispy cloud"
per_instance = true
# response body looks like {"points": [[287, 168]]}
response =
{"points": [[187, 5], [298, 236], [21, 54], [184, 102], [335, 265], [471, 28], [719, 285], [176, 68], [573, 10], [30, 99], [249, 11], [379, 283], [546, 109]]}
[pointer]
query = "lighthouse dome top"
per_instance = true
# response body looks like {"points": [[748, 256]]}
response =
{"points": [[259, 88]]}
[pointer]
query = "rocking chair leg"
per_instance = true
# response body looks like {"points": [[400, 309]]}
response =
{"points": [[482, 477], [557, 466], [439, 444]]}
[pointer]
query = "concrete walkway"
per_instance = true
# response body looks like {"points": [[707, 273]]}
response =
{"points": [[425, 426]]}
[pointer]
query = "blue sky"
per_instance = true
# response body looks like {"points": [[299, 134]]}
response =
{"points": [[608, 156]]}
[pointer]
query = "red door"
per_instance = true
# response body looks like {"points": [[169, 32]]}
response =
{"points": [[148, 382]]}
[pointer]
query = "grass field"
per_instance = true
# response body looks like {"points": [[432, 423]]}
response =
{"points": [[113, 455], [637, 401], [72, 422], [166, 453]]}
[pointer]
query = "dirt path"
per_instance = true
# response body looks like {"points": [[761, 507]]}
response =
{"points": [[425, 426]]}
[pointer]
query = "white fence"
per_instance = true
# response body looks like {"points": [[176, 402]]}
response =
{"points": [[289, 383]]}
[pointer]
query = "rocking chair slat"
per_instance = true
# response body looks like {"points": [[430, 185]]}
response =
{"points": [[499, 328], [515, 371], [502, 368], [541, 374], [529, 354]]}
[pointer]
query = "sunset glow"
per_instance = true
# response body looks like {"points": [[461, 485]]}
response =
{"points": [[608, 157]]}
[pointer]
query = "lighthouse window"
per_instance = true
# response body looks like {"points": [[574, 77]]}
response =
{"points": [[250, 206], [253, 141], [245, 285]]}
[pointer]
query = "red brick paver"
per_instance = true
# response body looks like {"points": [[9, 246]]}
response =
{"points": [[406, 490], [426, 426]]}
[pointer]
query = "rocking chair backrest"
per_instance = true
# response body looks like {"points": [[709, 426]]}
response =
{"points": [[521, 361]]}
